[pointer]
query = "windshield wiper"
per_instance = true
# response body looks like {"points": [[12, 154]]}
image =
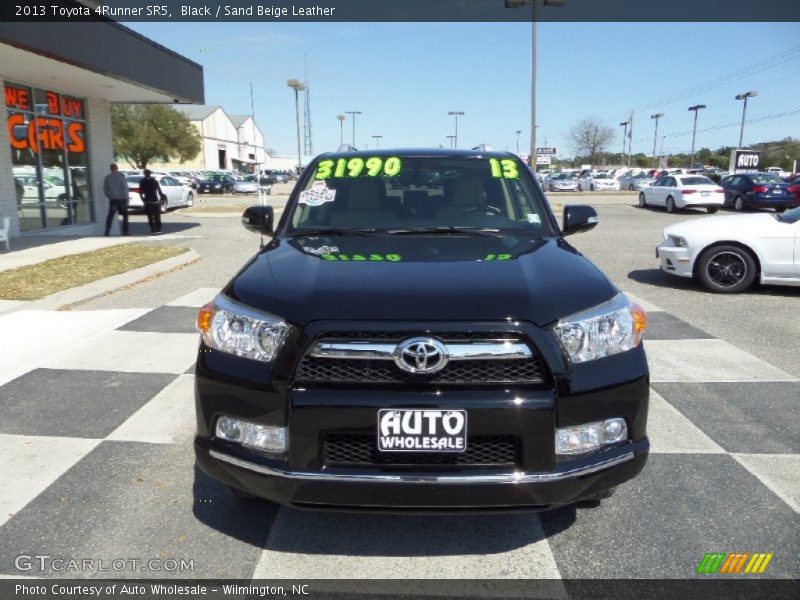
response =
{"points": [[476, 231], [335, 231]]}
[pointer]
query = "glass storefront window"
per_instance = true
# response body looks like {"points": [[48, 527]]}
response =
{"points": [[47, 133]]}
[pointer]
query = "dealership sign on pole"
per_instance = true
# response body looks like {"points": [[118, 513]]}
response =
{"points": [[744, 161], [550, 151], [542, 160]]}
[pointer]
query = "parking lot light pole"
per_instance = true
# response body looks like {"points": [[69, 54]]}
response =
{"points": [[341, 128], [624, 137], [744, 97], [298, 86], [377, 139], [353, 114], [518, 132], [456, 113], [656, 116], [534, 35], [451, 138], [694, 109]]}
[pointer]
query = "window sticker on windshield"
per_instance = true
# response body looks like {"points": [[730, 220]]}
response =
{"points": [[533, 218], [359, 167], [363, 257], [505, 169], [318, 194]]}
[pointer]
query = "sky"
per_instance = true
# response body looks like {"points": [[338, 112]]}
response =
{"points": [[406, 77]]}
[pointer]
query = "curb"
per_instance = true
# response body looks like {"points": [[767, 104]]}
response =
{"points": [[66, 298]]}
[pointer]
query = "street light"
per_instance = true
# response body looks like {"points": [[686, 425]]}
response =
{"points": [[341, 129], [353, 113], [744, 97], [451, 138], [656, 116], [694, 108], [518, 132], [624, 135], [298, 86], [456, 113], [377, 139], [534, 33]]}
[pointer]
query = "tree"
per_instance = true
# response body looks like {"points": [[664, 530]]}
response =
{"points": [[590, 136], [144, 133]]}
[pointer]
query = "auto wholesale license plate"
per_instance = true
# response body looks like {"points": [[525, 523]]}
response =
{"points": [[410, 430], [705, 193]]}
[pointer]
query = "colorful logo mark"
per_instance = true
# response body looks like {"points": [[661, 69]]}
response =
{"points": [[734, 562]]}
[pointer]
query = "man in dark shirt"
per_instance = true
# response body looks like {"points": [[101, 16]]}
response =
{"points": [[150, 192]]}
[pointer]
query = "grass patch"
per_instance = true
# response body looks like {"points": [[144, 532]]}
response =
{"points": [[37, 281]]}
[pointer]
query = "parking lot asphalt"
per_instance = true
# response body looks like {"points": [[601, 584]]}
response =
{"points": [[112, 474]]}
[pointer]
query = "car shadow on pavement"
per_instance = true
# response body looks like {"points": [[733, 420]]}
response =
{"points": [[217, 508], [139, 228], [370, 534]]}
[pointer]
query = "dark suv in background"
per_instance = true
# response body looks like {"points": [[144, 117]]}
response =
{"points": [[418, 335]]}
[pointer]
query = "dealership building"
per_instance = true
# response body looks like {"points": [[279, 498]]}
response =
{"points": [[60, 80]]}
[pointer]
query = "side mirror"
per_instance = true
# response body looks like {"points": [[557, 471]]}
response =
{"points": [[259, 219], [578, 218]]}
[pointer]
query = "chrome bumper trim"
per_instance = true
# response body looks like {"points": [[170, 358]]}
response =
{"points": [[512, 477], [499, 350]]}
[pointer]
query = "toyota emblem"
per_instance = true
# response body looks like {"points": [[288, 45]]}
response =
{"points": [[421, 355]]}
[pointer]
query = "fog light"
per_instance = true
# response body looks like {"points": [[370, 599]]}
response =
{"points": [[590, 436], [252, 435]]}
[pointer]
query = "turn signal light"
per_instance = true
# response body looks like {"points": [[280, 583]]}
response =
{"points": [[204, 317], [639, 316]]}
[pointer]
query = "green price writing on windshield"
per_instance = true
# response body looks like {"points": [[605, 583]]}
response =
{"points": [[506, 168], [358, 167], [363, 258]]}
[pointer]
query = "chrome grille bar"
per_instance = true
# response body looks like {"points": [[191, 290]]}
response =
{"points": [[480, 350]]}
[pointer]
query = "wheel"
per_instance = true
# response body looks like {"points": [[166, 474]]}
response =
{"points": [[591, 187], [190, 199], [642, 200], [712, 209], [631, 188], [580, 187], [726, 269], [163, 206], [738, 204], [670, 205]]}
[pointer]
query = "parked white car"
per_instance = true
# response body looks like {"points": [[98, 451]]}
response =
{"points": [[635, 181], [562, 182], [177, 193], [727, 254], [598, 181], [675, 192]]}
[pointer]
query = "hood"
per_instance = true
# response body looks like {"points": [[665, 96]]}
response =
{"points": [[420, 278], [729, 223]]}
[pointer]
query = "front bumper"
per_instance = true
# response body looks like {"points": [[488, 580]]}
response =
{"points": [[676, 260], [536, 479]]}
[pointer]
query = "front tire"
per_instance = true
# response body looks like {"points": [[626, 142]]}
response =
{"points": [[726, 269], [591, 188], [738, 204], [190, 200], [631, 188], [642, 200], [670, 204]]}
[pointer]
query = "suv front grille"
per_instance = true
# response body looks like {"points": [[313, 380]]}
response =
{"points": [[346, 450], [471, 371]]}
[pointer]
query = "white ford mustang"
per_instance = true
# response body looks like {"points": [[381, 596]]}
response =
{"points": [[726, 254]]}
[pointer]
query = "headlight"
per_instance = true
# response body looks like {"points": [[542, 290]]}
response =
{"points": [[610, 328], [679, 241], [231, 327]]}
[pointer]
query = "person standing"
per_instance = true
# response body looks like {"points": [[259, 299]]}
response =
{"points": [[150, 192], [116, 190]]}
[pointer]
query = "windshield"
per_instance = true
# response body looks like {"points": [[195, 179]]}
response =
{"points": [[562, 176], [601, 176], [400, 192]]}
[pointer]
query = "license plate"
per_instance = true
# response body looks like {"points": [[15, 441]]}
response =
{"points": [[705, 193], [411, 430]]}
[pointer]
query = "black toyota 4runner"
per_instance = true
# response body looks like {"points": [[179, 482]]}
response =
{"points": [[417, 335]]}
